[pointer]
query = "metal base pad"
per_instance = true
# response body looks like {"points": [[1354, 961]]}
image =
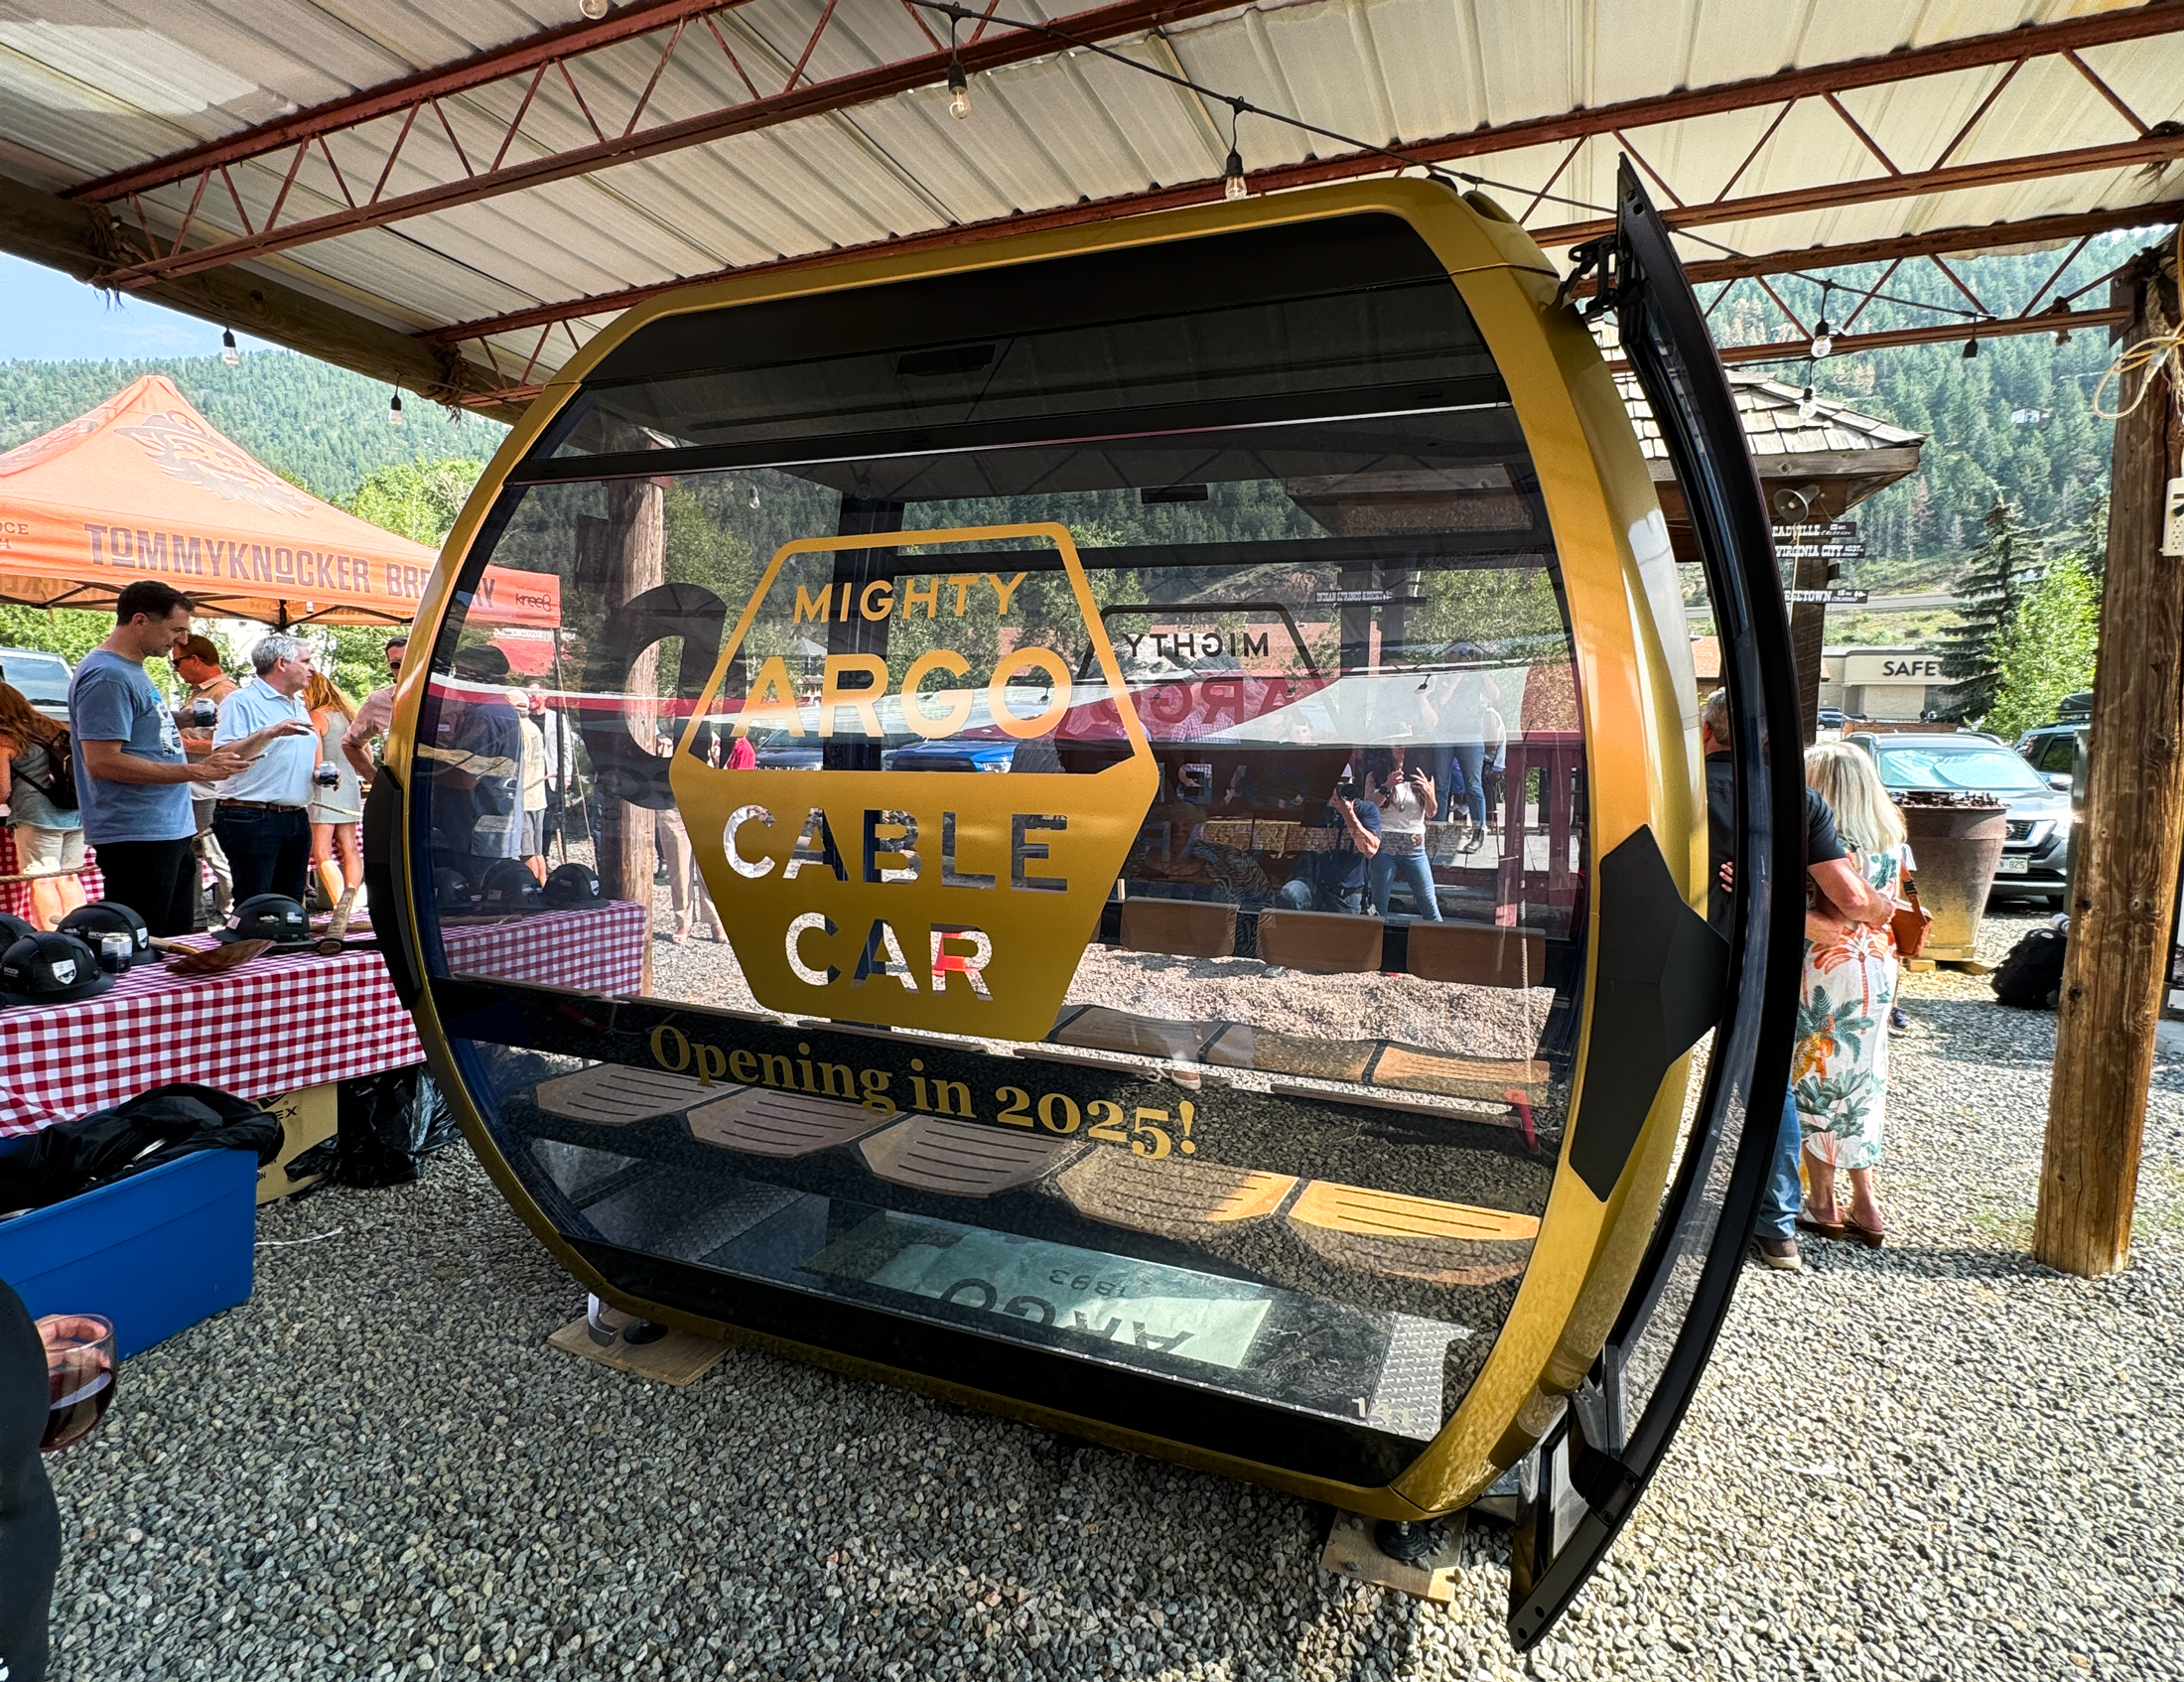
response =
{"points": [[1351, 1551]]}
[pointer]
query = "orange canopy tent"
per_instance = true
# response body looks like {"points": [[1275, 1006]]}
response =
{"points": [[143, 486]]}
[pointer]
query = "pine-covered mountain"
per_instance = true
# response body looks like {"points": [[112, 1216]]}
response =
{"points": [[2014, 423], [315, 422]]}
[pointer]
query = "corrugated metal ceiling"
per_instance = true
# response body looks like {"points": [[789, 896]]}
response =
{"points": [[88, 88]]}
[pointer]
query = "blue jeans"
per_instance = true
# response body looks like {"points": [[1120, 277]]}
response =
{"points": [[1779, 1205], [1467, 759], [1299, 895], [1384, 866]]}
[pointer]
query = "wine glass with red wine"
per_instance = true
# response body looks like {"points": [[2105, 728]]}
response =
{"points": [[79, 1375]]}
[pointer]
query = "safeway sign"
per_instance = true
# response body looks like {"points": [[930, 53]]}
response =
{"points": [[1897, 667]]}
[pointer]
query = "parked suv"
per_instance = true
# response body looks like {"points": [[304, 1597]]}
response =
{"points": [[2037, 846], [2052, 751], [41, 677]]}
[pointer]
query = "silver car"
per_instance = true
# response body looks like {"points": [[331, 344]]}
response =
{"points": [[41, 677], [1964, 761]]}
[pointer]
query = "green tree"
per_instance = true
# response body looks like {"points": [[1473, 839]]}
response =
{"points": [[296, 414], [1990, 584], [70, 633], [416, 499], [2047, 650]]}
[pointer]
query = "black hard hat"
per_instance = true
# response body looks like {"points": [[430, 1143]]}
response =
{"points": [[50, 969], [453, 893], [108, 916], [13, 929], [510, 886], [267, 917], [573, 888]]}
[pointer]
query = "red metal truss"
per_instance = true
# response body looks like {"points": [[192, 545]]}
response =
{"points": [[1898, 247], [2153, 149], [1951, 333], [416, 98], [760, 112], [1945, 241], [408, 93]]}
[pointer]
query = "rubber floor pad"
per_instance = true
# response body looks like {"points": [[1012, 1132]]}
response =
{"points": [[1406, 1237], [961, 1159], [765, 1123], [614, 1094], [1170, 1198]]}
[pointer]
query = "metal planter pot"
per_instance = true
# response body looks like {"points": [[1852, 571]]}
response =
{"points": [[1957, 846]]}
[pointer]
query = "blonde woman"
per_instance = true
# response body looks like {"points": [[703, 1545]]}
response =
{"points": [[49, 839], [1840, 1074], [336, 810]]}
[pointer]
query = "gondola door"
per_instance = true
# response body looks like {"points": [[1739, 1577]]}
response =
{"points": [[1589, 1470]]}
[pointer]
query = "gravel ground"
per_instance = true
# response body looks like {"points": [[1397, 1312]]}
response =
{"points": [[1933, 1461]]}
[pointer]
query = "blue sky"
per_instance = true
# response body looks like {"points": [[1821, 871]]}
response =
{"points": [[50, 318]]}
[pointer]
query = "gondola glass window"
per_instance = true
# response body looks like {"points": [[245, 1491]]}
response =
{"points": [[1123, 713]]}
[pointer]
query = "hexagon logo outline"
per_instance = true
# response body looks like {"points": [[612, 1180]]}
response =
{"points": [[953, 901]]}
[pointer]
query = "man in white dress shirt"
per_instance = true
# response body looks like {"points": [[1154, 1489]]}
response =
{"points": [[259, 814]]}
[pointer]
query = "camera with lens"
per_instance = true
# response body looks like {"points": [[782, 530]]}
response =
{"points": [[201, 714], [326, 777]]}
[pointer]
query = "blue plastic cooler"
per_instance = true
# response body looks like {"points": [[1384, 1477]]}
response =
{"points": [[153, 1253]]}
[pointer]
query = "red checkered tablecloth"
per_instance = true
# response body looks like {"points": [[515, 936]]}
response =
{"points": [[271, 1026], [283, 1020], [15, 896], [594, 952]]}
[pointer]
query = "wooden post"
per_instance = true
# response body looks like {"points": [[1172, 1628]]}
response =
{"points": [[2128, 837], [629, 554], [1807, 635]]}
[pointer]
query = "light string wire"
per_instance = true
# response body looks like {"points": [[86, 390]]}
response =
{"points": [[1238, 106]]}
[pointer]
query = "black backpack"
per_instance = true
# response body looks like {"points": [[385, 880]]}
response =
{"points": [[2031, 976], [59, 783]]}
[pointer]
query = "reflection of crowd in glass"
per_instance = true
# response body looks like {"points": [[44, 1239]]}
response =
{"points": [[1377, 819]]}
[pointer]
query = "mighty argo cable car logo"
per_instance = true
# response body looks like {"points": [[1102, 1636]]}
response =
{"points": [[948, 899]]}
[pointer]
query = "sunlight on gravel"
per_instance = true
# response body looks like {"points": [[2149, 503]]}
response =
{"points": [[1936, 1459]]}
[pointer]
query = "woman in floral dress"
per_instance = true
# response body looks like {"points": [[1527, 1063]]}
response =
{"points": [[1840, 1074]]}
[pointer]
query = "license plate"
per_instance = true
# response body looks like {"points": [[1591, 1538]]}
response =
{"points": [[2020, 866]]}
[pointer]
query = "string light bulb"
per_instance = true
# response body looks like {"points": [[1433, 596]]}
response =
{"points": [[1232, 186], [957, 81], [231, 354], [1971, 348], [595, 9], [394, 410], [755, 496], [1808, 405], [1823, 336]]}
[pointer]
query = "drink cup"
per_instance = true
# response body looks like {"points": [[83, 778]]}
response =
{"points": [[81, 1371]]}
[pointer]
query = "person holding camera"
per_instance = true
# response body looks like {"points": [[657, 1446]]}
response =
{"points": [[1330, 873], [260, 815], [1408, 801], [196, 661]]}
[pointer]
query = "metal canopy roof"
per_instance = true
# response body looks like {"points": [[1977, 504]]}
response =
{"points": [[455, 196]]}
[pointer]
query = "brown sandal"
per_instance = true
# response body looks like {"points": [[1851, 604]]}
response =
{"points": [[1859, 1233], [1807, 1221]]}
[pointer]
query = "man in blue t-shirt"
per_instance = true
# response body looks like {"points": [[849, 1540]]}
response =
{"points": [[132, 779], [1330, 877]]}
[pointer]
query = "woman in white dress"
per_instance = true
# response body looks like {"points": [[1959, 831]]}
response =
{"points": [[1840, 1070]]}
